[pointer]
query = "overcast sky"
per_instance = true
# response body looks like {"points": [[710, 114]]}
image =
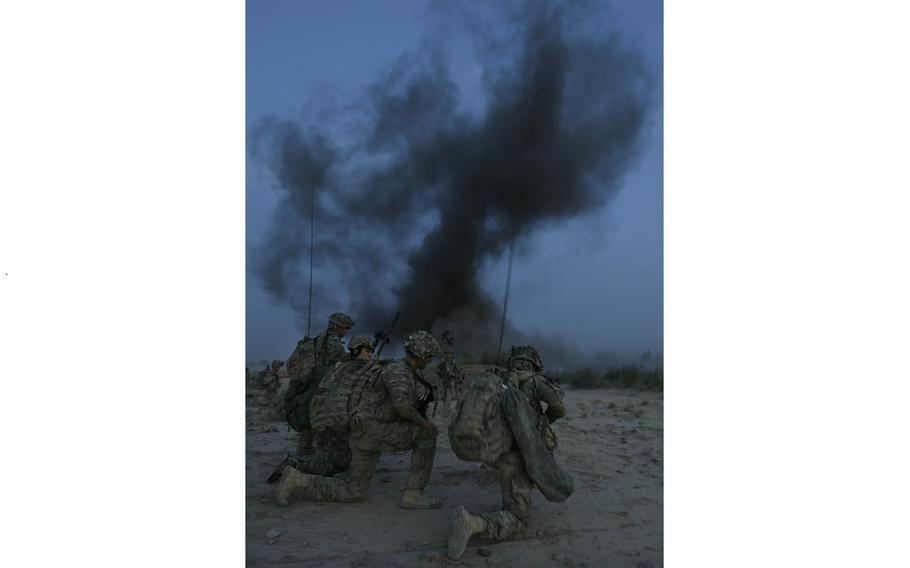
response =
{"points": [[596, 281]]}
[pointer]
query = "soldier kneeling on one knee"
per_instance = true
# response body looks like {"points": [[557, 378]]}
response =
{"points": [[384, 418], [332, 452], [518, 461]]}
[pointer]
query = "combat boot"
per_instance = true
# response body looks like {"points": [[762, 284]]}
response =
{"points": [[464, 526], [417, 499], [288, 460], [291, 480]]}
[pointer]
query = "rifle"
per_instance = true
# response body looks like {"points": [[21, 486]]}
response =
{"points": [[383, 337], [424, 401]]}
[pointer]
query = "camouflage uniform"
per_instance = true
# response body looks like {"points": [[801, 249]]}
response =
{"points": [[310, 360], [384, 419], [269, 379], [516, 484], [452, 380], [332, 451]]}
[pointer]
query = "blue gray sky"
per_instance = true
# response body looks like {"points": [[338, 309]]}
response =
{"points": [[593, 282]]}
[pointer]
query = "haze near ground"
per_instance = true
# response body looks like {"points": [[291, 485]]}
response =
{"points": [[611, 442]]}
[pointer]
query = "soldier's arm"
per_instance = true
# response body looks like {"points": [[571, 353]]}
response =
{"points": [[329, 375], [335, 349], [553, 396], [399, 383]]}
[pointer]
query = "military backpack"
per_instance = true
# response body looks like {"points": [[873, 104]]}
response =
{"points": [[308, 370], [479, 431], [333, 398]]}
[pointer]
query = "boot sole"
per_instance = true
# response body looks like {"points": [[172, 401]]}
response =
{"points": [[458, 541]]}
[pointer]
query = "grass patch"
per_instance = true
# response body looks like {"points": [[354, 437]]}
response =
{"points": [[632, 376]]}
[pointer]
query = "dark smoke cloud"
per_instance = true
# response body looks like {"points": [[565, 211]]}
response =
{"points": [[415, 192]]}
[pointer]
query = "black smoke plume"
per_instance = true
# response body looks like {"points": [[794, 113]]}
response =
{"points": [[415, 191]]}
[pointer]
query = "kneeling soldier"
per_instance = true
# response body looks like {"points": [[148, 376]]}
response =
{"points": [[385, 418]]}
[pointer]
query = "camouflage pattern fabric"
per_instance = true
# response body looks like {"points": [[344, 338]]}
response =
{"points": [[332, 454], [303, 359], [331, 405], [525, 354], [479, 431], [389, 395], [538, 389], [269, 381], [452, 379], [555, 483], [516, 483], [421, 344], [361, 341], [324, 350], [341, 320], [384, 420], [305, 442], [329, 414], [309, 362], [368, 441], [516, 499]]}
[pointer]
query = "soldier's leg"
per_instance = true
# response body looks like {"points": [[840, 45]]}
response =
{"points": [[318, 488], [398, 436], [339, 449], [305, 442], [422, 457], [499, 525], [516, 499], [332, 455], [317, 464]]}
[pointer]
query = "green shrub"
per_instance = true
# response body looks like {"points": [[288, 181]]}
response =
{"points": [[582, 379], [630, 376]]}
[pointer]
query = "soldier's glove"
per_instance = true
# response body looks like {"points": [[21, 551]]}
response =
{"points": [[549, 436], [543, 423]]}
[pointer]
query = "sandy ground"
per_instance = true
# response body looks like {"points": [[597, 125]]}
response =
{"points": [[611, 442]]}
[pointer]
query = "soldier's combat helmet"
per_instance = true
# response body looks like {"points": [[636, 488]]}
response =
{"points": [[339, 319], [525, 353], [421, 344], [359, 341]]}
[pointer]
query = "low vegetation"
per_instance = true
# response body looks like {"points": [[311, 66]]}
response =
{"points": [[626, 376], [632, 376]]}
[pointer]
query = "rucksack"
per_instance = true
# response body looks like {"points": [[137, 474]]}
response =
{"points": [[479, 431], [302, 387], [302, 361], [332, 401], [495, 417]]}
